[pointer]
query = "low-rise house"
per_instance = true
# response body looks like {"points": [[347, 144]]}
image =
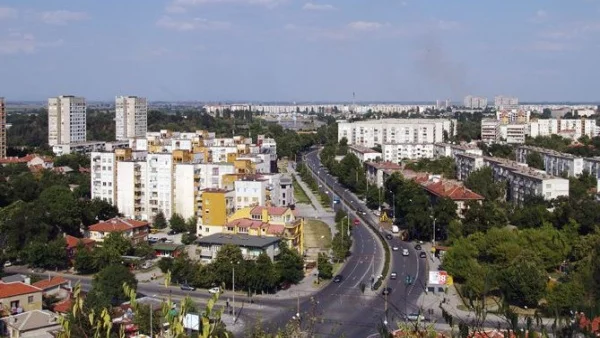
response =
{"points": [[55, 286], [16, 278], [364, 154], [32, 324], [168, 250], [73, 243], [18, 297], [135, 231], [251, 246], [438, 188]]}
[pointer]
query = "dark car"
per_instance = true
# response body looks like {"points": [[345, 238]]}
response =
{"points": [[418, 247], [186, 287], [389, 236], [172, 232], [386, 291], [337, 278], [423, 255]]}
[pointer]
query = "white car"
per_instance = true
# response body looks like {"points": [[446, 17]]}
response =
{"points": [[395, 248], [214, 290], [7, 264], [404, 252]]}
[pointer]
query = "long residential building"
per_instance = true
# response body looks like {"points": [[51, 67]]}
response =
{"points": [[449, 150], [142, 183], [396, 152], [131, 117], [555, 163], [592, 166], [522, 180], [381, 131], [475, 102], [66, 120], [2, 128]]}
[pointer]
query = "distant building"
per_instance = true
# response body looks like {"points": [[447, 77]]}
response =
{"points": [[450, 150], [377, 171], [66, 120], [506, 102], [372, 132], [131, 117], [513, 133], [2, 128], [475, 102], [555, 163]]}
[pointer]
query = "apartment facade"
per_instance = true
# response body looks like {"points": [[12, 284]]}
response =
{"points": [[513, 133], [103, 176], [490, 131], [131, 117], [3, 144], [475, 102], [555, 163], [466, 164], [372, 132], [396, 152], [506, 102], [592, 166], [450, 150], [66, 120], [364, 154]]}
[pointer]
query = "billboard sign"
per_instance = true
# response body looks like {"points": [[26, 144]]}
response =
{"points": [[439, 278]]}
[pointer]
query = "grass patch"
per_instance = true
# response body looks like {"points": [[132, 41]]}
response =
{"points": [[299, 194], [336, 268], [313, 231]]}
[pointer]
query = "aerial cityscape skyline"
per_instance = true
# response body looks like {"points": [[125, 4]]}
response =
{"points": [[247, 50]]}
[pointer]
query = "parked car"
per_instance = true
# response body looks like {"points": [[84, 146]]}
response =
{"points": [[337, 279], [413, 317], [186, 287], [404, 252], [393, 275], [214, 290], [7, 264], [171, 232], [147, 265], [395, 248]]}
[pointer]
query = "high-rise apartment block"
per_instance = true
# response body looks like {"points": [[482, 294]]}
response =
{"points": [[506, 102], [2, 128], [475, 102], [66, 120], [131, 116], [372, 132], [171, 172]]}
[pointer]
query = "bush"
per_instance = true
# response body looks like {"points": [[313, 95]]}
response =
{"points": [[188, 238]]}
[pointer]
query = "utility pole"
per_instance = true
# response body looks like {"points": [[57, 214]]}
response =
{"points": [[233, 290]]}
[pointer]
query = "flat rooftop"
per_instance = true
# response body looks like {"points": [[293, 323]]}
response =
{"points": [[239, 240]]}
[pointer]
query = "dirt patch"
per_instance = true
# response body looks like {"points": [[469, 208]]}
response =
{"points": [[317, 234]]}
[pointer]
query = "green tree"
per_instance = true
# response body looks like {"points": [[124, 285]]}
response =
{"points": [[142, 318], [523, 282], [61, 209], [165, 264], [177, 223], [84, 262], [191, 225], [108, 283], [49, 255], [482, 182], [325, 266], [444, 212], [535, 160], [93, 211], [263, 277], [289, 265], [160, 222]]}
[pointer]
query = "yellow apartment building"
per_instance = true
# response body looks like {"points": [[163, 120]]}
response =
{"points": [[216, 204]]}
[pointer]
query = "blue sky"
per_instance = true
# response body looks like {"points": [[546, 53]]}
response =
{"points": [[290, 50]]}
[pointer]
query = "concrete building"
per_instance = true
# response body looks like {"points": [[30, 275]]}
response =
{"points": [[103, 176], [475, 102], [376, 172], [364, 154], [592, 166], [2, 128], [555, 163], [513, 116], [513, 133], [506, 102], [490, 131], [66, 120], [450, 150], [372, 132], [396, 152], [466, 164], [131, 117], [216, 205], [251, 191]]}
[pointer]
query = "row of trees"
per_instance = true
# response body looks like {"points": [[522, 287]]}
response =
{"points": [[342, 240], [444, 166], [255, 276]]}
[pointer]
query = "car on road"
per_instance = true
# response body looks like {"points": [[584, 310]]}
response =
{"points": [[418, 247], [186, 287], [404, 252], [214, 290], [389, 236], [413, 317], [147, 265], [172, 232], [337, 278], [423, 255], [386, 291], [7, 264], [393, 275], [395, 248]]}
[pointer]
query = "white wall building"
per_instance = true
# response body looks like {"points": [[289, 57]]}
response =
{"points": [[250, 192], [131, 117], [372, 132], [187, 190], [513, 133], [592, 166], [159, 184], [364, 154], [555, 163], [506, 102], [490, 131], [396, 152], [450, 150], [475, 102], [103, 176], [132, 198], [66, 120]]}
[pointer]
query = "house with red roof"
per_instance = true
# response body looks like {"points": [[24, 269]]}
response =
{"points": [[73, 243], [135, 231], [438, 188], [56, 286], [17, 297]]}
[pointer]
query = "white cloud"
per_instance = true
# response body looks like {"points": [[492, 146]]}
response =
{"points": [[572, 30], [266, 3], [365, 26], [191, 25], [17, 43], [309, 6], [8, 13], [540, 16], [62, 17]]}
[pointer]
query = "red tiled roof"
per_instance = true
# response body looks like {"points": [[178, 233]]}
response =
{"points": [[49, 283], [16, 289], [453, 190], [24, 159], [72, 241], [275, 229], [277, 211], [117, 225], [247, 223], [384, 165], [63, 306]]}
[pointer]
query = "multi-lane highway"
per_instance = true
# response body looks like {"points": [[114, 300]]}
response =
{"points": [[342, 308]]}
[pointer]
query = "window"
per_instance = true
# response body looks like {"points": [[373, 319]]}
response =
{"points": [[30, 299]]}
